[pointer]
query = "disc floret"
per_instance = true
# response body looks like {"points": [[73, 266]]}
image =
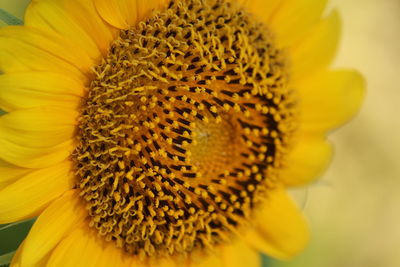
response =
{"points": [[183, 128]]}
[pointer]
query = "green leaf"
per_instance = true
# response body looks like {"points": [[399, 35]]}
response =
{"points": [[11, 236], [266, 261], [6, 259], [9, 19]]}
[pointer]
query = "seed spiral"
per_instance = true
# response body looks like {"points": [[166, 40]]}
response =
{"points": [[183, 129]]}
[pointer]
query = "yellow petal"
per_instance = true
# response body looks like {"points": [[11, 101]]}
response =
{"points": [[37, 139], [116, 12], [294, 18], [69, 252], [34, 89], [262, 10], [38, 127], [162, 262], [27, 49], [146, 7], [329, 99], [76, 20], [280, 230], [10, 173], [31, 157], [55, 222], [240, 254], [308, 159], [29, 195], [83, 248], [16, 260], [125, 13], [208, 261], [42, 118], [317, 49], [237, 254]]}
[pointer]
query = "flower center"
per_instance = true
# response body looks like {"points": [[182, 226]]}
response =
{"points": [[183, 128]]}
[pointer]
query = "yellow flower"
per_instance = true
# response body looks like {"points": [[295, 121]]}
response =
{"points": [[157, 133]]}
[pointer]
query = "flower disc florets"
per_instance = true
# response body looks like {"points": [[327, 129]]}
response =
{"points": [[183, 128]]}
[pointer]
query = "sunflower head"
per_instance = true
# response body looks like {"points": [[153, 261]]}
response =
{"points": [[172, 129], [184, 125]]}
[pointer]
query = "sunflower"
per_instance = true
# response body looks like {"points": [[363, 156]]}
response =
{"points": [[165, 133]]}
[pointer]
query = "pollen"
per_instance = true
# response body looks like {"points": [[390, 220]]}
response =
{"points": [[184, 127]]}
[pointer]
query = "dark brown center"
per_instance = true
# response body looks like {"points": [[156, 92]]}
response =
{"points": [[183, 128]]}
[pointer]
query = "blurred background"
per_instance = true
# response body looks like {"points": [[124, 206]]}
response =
{"points": [[354, 210]]}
